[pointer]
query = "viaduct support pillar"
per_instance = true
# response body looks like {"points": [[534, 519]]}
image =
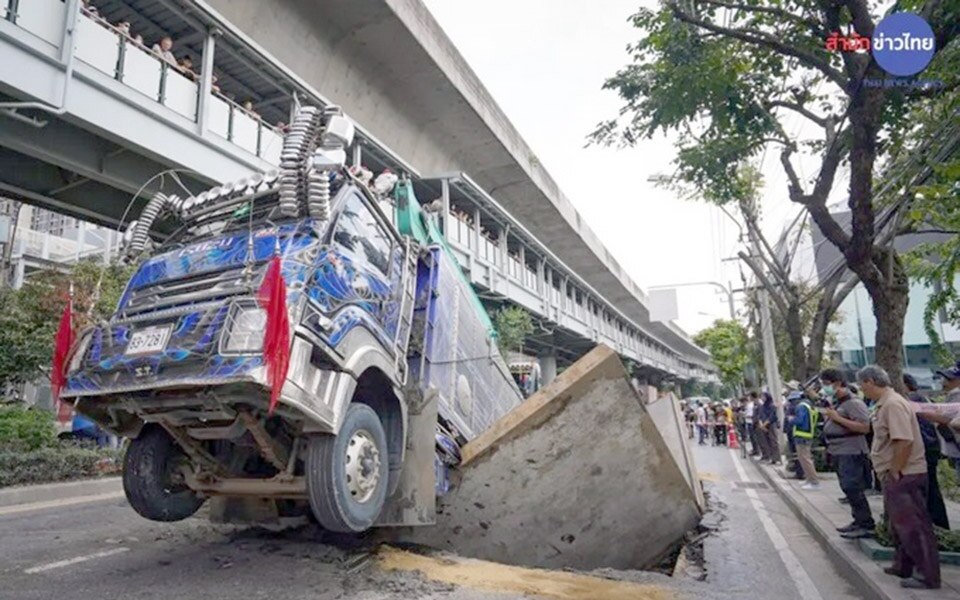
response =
{"points": [[548, 367]]}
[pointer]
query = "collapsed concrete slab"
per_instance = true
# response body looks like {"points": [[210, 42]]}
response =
{"points": [[666, 414], [576, 476]]}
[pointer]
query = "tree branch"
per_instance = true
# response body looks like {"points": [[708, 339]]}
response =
{"points": [[769, 10], [841, 294], [827, 224], [766, 40], [796, 242], [799, 108], [795, 188], [775, 293], [862, 21], [773, 263], [828, 168]]}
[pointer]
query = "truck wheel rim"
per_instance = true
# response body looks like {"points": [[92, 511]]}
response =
{"points": [[362, 466]]}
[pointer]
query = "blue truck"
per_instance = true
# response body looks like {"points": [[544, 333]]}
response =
{"points": [[393, 361]]}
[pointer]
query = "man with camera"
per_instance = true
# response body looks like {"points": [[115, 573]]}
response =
{"points": [[848, 422]]}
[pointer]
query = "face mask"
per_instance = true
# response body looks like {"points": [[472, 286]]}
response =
{"points": [[828, 390]]}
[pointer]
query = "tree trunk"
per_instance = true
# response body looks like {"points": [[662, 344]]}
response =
{"points": [[814, 361], [798, 358], [890, 295], [829, 302]]}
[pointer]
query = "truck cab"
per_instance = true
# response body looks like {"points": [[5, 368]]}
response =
{"points": [[378, 320]]}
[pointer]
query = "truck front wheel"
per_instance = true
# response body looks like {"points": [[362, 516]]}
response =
{"points": [[347, 474], [152, 478]]}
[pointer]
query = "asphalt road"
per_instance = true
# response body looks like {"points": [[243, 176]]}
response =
{"points": [[105, 550], [760, 549], [102, 549]]}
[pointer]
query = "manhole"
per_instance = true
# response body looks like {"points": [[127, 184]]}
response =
{"points": [[750, 485]]}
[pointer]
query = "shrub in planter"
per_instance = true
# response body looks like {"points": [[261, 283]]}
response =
{"points": [[26, 429], [948, 540], [58, 463], [949, 482]]}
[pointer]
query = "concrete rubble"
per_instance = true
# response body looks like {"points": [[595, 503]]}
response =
{"points": [[577, 476]]}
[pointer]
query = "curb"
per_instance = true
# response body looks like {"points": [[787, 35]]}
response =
{"points": [[876, 552], [864, 581], [46, 492]]}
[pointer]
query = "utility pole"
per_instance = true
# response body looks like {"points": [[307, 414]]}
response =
{"points": [[6, 260], [766, 337]]}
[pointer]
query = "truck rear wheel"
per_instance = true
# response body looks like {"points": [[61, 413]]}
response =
{"points": [[152, 480], [347, 474]]}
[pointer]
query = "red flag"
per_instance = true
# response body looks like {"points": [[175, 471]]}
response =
{"points": [[276, 338], [61, 349]]}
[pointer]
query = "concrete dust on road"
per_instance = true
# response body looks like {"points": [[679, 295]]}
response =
{"points": [[496, 577]]}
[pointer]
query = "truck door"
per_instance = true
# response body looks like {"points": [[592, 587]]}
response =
{"points": [[376, 257]]}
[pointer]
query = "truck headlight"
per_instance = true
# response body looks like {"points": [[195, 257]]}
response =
{"points": [[246, 330]]}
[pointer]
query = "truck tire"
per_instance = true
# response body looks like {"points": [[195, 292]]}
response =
{"points": [[347, 474], [150, 479]]}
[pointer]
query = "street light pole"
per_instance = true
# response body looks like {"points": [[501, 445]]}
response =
{"points": [[767, 340]]}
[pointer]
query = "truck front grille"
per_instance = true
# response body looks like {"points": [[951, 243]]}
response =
{"points": [[188, 290]]}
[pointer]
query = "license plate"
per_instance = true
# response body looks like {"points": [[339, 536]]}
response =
{"points": [[148, 341]]}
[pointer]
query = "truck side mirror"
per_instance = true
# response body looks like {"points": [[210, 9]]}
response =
{"points": [[338, 132]]}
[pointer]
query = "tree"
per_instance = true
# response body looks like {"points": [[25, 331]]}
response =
{"points": [[727, 75], [935, 208], [513, 325], [810, 319], [726, 340], [26, 338], [803, 310], [937, 264], [29, 316]]}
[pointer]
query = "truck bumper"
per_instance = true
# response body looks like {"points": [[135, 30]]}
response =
{"points": [[311, 393]]}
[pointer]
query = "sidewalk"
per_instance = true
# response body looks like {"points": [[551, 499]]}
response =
{"points": [[822, 513]]}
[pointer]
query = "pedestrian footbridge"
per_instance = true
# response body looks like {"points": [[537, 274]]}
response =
{"points": [[95, 112]]}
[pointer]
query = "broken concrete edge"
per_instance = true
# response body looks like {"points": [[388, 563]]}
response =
{"points": [[547, 402], [854, 572], [678, 426], [46, 492]]}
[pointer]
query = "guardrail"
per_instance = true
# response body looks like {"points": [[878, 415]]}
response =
{"points": [[113, 52]]}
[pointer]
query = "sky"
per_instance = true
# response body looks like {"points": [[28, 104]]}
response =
{"points": [[544, 62]]}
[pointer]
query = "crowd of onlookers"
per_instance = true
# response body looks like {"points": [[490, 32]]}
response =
{"points": [[164, 49], [877, 441]]}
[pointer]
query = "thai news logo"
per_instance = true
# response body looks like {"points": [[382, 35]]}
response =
{"points": [[902, 44]]}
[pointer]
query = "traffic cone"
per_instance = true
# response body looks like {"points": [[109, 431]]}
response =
{"points": [[732, 438]]}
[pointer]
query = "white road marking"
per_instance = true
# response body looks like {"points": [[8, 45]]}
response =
{"points": [[805, 585], [75, 560], [19, 508]]}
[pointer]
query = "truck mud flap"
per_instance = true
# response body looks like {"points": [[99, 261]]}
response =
{"points": [[577, 476], [414, 501]]}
